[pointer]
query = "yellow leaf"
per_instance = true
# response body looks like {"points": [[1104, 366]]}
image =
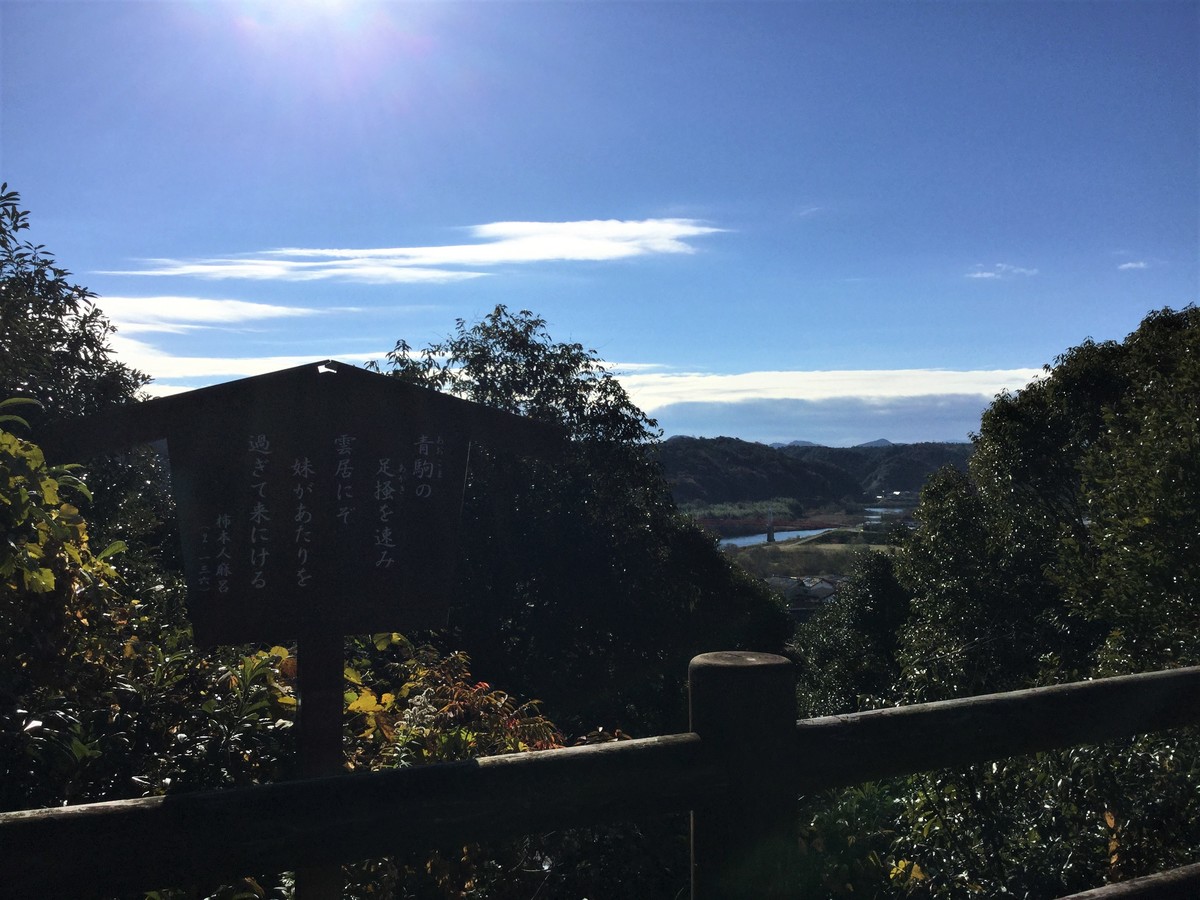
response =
{"points": [[280, 652], [386, 639], [917, 874], [49, 490], [352, 676], [1109, 819], [365, 702]]}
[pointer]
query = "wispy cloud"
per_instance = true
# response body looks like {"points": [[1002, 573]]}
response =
{"points": [[165, 366], [1138, 264], [181, 315], [176, 315], [361, 270], [497, 244], [999, 270], [653, 391]]}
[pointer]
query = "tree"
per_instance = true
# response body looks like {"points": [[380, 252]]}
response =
{"points": [[102, 695], [55, 339], [582, 583], [57, 351], [983, 616], [997, 567], [1069, 550], [1134, 568], [846, 652]]}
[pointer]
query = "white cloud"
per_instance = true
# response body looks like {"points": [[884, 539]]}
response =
{"points": [[999, 270], [624, 368], [179, 315], [360, 270], [175, 315], [1139, 264], [210, 369], [657, 390], [500, 243]]}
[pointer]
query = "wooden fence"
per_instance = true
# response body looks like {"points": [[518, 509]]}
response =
{"points": [[739, 771]]}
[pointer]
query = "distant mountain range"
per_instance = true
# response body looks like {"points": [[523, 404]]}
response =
{"points": [[725, 470], [881, 442]]}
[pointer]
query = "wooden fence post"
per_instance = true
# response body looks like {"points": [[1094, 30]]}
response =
{"points": [[321, 661], [744, 841]]}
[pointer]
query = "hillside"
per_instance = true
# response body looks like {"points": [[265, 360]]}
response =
{"points": [[706, 471], [883, 467]]}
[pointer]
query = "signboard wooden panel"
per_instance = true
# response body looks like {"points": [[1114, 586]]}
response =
{"points": [[339, 514], [317, 499]]}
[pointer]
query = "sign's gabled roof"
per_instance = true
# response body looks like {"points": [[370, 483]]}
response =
{"points": [[297, 389]]}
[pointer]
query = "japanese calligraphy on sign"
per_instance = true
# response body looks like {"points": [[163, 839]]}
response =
{"points": [[350, 522]]}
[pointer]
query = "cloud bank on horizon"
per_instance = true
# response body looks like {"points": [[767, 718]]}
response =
{"points": [[836, 407], [830, 406]]}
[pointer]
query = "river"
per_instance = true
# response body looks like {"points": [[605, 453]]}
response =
{"points": [[749, 540], [874, 515]]}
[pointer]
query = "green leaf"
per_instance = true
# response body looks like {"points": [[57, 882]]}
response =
{"points": [[19, 401], [72, 482], [112, 549], [40, 581]]}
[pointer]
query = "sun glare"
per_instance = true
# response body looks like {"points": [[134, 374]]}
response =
{"points": [[334, 48], [298, 15]]}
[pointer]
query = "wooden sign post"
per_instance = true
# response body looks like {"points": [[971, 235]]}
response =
{"points": [[321, 659], [313, 503]]}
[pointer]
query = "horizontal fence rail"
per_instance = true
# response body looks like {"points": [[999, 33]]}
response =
{"points": [[177, 840], [174, 840], [835, 751], [1178, 884]]}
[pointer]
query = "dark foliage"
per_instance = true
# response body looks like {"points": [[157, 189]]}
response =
{"points": [[847, 651], [582, 584]]}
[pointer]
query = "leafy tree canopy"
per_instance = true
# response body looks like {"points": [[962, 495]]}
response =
{"points": [[847, 649], [582, 583], [1069, 549], [55, 340], [1074, 533]]}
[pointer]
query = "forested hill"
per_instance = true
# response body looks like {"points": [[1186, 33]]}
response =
{"points": [[719, 470]]}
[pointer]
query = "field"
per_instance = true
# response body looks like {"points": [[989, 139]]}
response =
{"points": [[827, 554]]}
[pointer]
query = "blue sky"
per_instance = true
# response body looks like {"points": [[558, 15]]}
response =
{"points": [[830, 221]]}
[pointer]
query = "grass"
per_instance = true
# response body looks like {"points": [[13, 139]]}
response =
{"points": [[828, 554]]}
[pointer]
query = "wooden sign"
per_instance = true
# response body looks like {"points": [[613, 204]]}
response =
{"points": [[317, 499]]}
